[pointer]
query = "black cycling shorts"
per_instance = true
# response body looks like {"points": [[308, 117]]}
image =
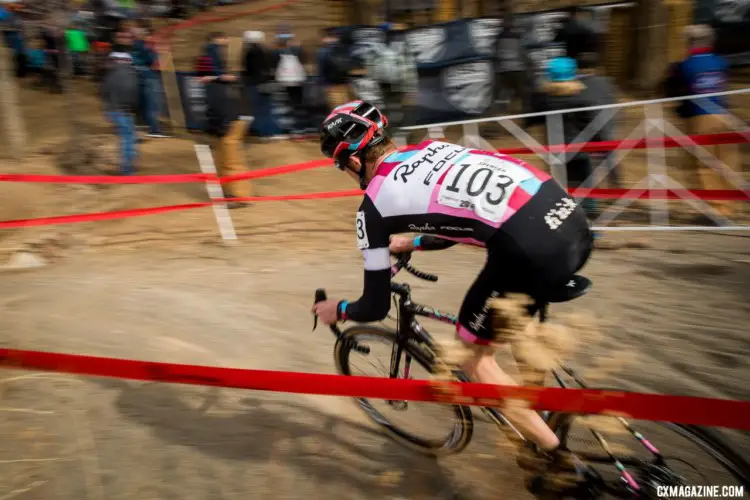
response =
{"points": [[535, 251]]}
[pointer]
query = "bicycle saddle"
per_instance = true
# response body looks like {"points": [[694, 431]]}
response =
{"points": [[574, 288]]}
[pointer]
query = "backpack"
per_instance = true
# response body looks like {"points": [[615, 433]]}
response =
{"points": [[338, 65], [290, 71]]}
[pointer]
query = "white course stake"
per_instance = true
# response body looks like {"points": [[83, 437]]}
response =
{"points": [[223, 219]]}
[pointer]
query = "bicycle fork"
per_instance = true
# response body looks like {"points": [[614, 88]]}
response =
{"points": [[399, 349]]}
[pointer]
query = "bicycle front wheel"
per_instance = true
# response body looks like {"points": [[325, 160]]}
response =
{"points": [[416, 425]]}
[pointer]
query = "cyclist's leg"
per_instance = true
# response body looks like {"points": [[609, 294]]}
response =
{"points": [[541, 259], [475, 330]]}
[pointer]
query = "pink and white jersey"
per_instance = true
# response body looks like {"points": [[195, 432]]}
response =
{"points": [[439, 188]]}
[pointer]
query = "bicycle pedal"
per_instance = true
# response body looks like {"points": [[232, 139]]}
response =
{"points": [[398, 405]]}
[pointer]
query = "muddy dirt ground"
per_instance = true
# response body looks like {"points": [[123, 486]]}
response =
{"points": [[677, 310], [164, 288]]}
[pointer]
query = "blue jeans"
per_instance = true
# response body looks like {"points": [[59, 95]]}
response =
{"points": [[264, 124], [125, 130], [150, 102]]}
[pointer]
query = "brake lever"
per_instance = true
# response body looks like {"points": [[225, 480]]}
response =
{"points": [[320, 296]]}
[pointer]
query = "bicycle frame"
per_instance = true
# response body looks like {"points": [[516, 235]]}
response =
{"points": [[408, 327]]}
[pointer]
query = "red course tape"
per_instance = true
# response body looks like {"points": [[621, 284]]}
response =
{"points": [[726, 195], [678, 409], [670, 142], [643, 143], [107, 179], [162, 179], [97, 216]]}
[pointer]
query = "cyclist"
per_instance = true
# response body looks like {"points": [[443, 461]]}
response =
{"points": [[535, 235]]}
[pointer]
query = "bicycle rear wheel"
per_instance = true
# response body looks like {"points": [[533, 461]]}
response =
{"points": [[459, 428], [690, 455]]}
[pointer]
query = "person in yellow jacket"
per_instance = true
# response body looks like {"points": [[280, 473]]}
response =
{"points": [[223, 121]]}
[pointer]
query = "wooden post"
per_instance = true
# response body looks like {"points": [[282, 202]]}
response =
{"points": [[10, 106], [651, 43], [171, 88], [680, 16]]}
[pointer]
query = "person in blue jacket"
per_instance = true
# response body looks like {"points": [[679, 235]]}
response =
{"points": [[10, 25], [144, 60], [705, 72]]}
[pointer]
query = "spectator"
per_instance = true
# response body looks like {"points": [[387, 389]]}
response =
{"points": [[119, 92], [180, 9], [223, 120], [563, 90], [212, 61], [704, 72], [336, 67], [122, 41], [78, 47], [395, 71], [12, 27], [512, 79], [54, 50], [578, 33], [256, 76], [600, 90], [36, 62], [291, 74], [145, 60], [328, 40], [127, 7]]}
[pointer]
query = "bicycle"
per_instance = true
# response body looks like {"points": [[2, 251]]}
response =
{"points": [[634, 476]]}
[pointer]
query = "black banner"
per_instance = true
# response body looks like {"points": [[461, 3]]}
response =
{"points": [[456, 91], [193, 99], [443, 44], [731, 20]]}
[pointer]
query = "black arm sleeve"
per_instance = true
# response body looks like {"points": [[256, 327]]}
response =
{"points": [[376, 298], [429, 242], [372, 239]]}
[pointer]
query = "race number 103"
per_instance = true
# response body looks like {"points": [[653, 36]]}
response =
{"points": [[482, 186], [700, 491]]}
